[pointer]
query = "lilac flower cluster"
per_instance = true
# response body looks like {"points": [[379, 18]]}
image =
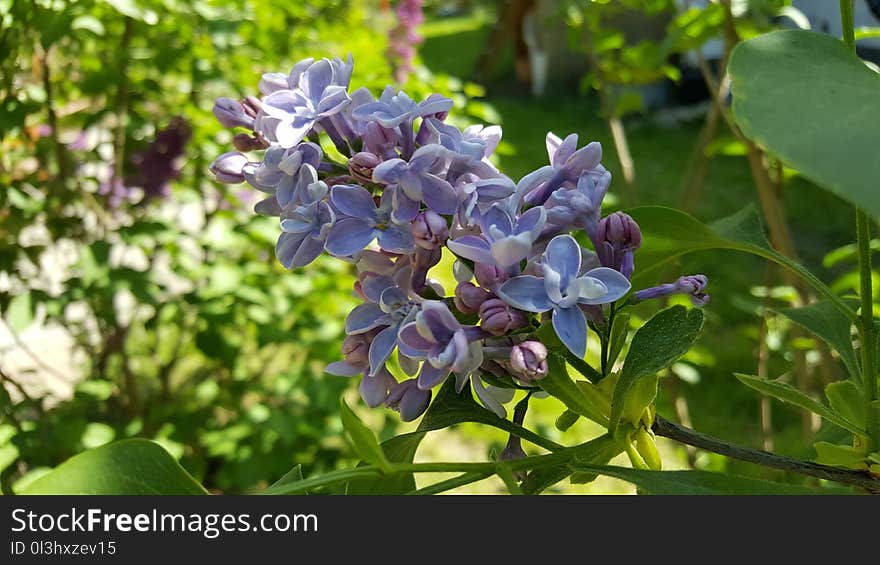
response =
{"points": [[402, 186], [403, 38]]}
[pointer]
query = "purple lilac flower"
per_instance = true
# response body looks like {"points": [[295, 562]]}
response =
{"points": [[287, 173], [418, 181], [562, 290], [306, 228], [567, 164], [360, 221], [445, 345], [505, 241], [288, 115]]}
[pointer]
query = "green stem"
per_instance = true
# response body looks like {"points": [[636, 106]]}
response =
{"points": [[867, 330]]}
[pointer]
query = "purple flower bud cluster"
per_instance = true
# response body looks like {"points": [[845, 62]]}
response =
{"points": [[404, 187], [403, 38]]}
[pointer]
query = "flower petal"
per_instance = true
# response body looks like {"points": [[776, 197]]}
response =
{"points": [[348, 236], [430, 376], [396, 239], [526, 292], [365, 317], [353, 200], [616, 283], [563, 255], [486, 397], [571, 328], [438, 194], [413, 342], [381, 347], [472, 247], [343, 369]]}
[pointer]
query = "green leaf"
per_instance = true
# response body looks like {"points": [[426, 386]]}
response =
{"points": [[696, 482], [823, 319], [365, 442], [840, 456], [809, 100], [848, 400], [20, 312], [664, 338], [132, 466], [295, 475], [669, 234], [559, 384], [791, 395]]}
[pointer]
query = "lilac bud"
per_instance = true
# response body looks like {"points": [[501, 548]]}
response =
{"points": [[489, 276], [692, 285], [408, 399], [498, 318], [361, 166], [513, 451], [231, 114], [248, 142], [356, 348], [469, 297], [621, 231], [228, 168], [251, 106], [529, 360], [429, 230]]}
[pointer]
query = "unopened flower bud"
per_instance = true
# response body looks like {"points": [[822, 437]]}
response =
{"points": [[361, 165], [489, 276], [251, 106], [356, 348], [408, 399], [498, 318], [429, 230], [229, 167], [621, 231], [694, 286], [529, 360], [469, 297], [231, 114]]}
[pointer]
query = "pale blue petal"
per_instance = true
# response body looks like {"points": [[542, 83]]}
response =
{"points": [[472, 247], [571, 329], [617, 284], [526, 292], [343, 369], [563, 255]]}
